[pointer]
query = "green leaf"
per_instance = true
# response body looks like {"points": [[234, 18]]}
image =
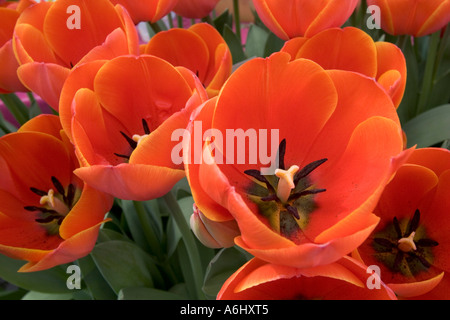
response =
{"points": [[98, 288], [141, 293], [173, 232], [235, 45], [408, 105], [49, 281], [256, 41], [429, 128], [36, 295], [123, 264], [224, 264], [225, 19], [15, 105], [273, 44], [145, 231]]}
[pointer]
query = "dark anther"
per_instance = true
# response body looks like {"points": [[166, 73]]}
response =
{"points": [[122, 156], [398, 260], [305, 193], [281, 154], [47, 219], [384, 242], [427, 243], [131, 142], [423, 261], [70, 195], [256, 174], [271, 197], [38, 192], [43, 210], [306, 170], [414, 223], [71, 65], [145, 125], [293, 210], [59, 187], [397, 228]]}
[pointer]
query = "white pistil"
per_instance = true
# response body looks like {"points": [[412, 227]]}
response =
{"points": [[286, 182], [137, 138], [54, 203], [407, 244]]}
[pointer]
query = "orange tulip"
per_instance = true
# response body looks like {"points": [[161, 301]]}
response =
{"points": [[345, 279], [334, 158], [200, 48], [9, 82], [298, 18], [413, 17], [195, 9], [48, 42], [147, 10], [121, 114], [48, 216], [382, 61], [411, 243]]}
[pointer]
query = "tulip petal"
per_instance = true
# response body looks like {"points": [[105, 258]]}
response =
{"points": [[131, 181], [47, 84], [152, 99], [80, 77], [88, 211], [69, 250], [340, 45], [407, 290], [97, 19]]}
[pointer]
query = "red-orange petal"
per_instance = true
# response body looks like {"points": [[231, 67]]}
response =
{"points": [[45, 79]]}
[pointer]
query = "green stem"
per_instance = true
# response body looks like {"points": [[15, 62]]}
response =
{"points": [[208, 19], [17, 108], [180, 21], [150, 236], [429, 75], [442, 47], [237, 18], [155, 27], [189, 240]]}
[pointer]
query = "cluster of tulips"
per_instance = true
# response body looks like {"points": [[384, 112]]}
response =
{"points": [[356, 207]]}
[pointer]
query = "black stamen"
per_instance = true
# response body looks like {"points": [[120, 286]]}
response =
{"points": [[414, 223], [271, 197], [131, 142], [46, 220], [426, 243], [281, 153], [41, 209], [145, 125], [256, 174], [59, 187], [305, 193], [38, 192], [70, 195], [293, 210], [384, 242], [422, 260], [71, 65], [308, 169], [397, 228], [398, 260], [122, 156]]}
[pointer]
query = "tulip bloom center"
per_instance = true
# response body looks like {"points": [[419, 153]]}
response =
{"points": [[403, 247], [54, 205], [285, 198], [134, 141]]}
